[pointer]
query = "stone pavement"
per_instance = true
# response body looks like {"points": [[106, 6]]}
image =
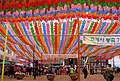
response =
{"points": [[96, 77]]}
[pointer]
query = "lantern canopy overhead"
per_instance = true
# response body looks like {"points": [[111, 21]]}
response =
{"points": [[52, 28]]}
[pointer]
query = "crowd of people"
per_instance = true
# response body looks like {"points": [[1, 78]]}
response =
{"points": [[58, 70]]}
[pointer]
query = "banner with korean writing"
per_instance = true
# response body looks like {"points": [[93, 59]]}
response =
{"points": [[102, 40], [61, 56]]}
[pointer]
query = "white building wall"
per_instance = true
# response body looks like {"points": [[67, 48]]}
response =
{"points": [[9, 56]]}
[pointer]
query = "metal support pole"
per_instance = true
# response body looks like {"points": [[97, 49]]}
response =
{"points": [[89, 64], [113, 62], [78, 53], [3, 65], [100, 61], [33, 59]]}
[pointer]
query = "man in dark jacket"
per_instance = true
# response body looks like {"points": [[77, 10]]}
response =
{"points": [[85, 72]]}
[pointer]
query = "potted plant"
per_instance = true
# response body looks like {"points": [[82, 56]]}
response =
{"points": [[73, 76], [50, 77], [19, 75]]}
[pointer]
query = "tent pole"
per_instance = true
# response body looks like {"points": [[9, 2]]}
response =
{"points": [[113, 62], [89, 64], [3, 65], [33, 58], [78, 53]]}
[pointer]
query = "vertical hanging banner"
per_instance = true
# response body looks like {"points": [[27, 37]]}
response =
{"points": [[102, 40]]}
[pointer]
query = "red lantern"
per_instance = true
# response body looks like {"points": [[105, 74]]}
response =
{"points": [[49, 2], [38, 18], [5, 7], [116, 1], [50, 17], [104, 17], [42, 3], [109, 17], [35, 4], [19, 6], [84, 15], [1, 6], [68, 16], [107, 0], [56, 17], [31, 19], [12, 6], [19, 20], [63, 16], [115, 17], [44, 18], [28, 5], [94, 17], [56, 2], [65, 1], [89, 16], [8, 20], [73, 15], [71, 0], [24, 19], [25, 5], [99, 0], [78, 14], [4, 20]]}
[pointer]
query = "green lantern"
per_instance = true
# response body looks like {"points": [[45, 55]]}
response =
{"points": [[103, 4], [60, 4], [75, 2], [82, 1], [1, 9], [53, 6], [45, 6], [68, 3], [96, 3], [119, 4], [40, 7], [6, 10]]}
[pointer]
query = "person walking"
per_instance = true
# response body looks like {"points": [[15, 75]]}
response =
{"points": [[11, 71], [35, 72], [71, 70], [85, 72], [24, 70], [108, 74]]}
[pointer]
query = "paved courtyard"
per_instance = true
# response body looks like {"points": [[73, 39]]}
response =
{"points": [[96, 77]]}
